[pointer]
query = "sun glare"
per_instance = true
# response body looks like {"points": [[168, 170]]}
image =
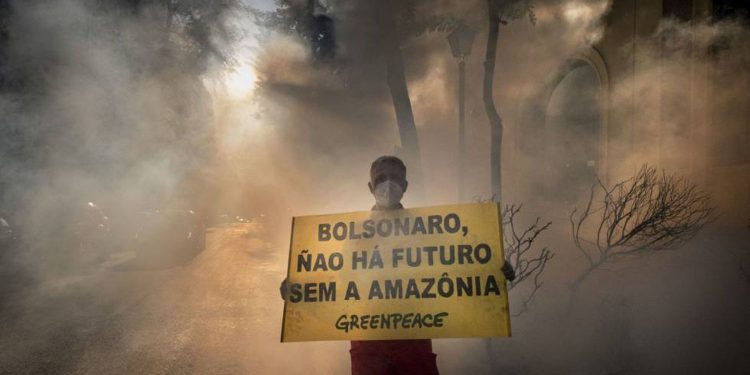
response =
{"points": [[241, 82]]}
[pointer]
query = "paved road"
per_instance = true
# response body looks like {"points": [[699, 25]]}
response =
{"points": [[217, 314]]}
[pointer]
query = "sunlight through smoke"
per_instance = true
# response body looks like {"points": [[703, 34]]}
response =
{"points": [[240, 82]]}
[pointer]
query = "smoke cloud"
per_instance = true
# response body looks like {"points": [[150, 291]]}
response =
{"points": [[139, 109]]}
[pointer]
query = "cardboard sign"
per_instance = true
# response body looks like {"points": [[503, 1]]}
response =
{"points": [[397, 274]]}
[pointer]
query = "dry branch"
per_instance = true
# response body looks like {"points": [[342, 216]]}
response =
{"points": [[647, 213], [528, 262]]}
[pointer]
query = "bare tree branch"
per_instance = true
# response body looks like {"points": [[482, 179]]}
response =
{"points": [[649, 212], [527, 261]]}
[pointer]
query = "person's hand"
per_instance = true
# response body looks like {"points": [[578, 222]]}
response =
{"points": [[508, 271], [284, 289]]}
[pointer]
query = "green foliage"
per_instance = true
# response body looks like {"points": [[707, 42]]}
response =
{"points": [[188, 33], [288, 18], [514, 10], [410, 18]]}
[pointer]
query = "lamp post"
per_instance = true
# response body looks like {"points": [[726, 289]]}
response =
{"points": [[460, 40]]}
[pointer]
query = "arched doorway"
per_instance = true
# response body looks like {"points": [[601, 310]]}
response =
{"points": [[572, 129]]}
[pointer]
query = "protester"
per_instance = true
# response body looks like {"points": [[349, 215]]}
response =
{"points": [[392, 357]]}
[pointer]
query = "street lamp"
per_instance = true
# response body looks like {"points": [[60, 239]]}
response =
{"points": [[460, 40]]}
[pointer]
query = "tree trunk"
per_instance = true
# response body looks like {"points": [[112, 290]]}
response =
{"points": [[496, 127], [496, 123], [396, 78], [404, 117]]}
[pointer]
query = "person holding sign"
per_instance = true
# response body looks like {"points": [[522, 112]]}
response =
{"points": [[375, 357]]}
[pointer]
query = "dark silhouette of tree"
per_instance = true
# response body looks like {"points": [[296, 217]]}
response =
{"points": [[646, 213], [397, 21], [527, 260], [498, 12], [192, 30], [393, 33]]}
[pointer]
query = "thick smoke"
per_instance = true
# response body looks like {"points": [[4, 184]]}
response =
{"points": [[101, 105], [104, 115], [97, 111], [612, 329]]}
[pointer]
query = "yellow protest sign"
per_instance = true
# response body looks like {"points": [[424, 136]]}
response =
{"points": [[417, 273]]}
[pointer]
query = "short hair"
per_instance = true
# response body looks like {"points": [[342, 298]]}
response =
{"points": [[390, 161]]}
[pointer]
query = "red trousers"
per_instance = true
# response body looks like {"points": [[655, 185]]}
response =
{"points": [[393, 357]]}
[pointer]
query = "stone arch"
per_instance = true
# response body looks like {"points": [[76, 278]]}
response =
{"points": [[554, 133]]}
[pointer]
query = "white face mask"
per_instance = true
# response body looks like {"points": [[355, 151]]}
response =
{"points": [[388, 194]]}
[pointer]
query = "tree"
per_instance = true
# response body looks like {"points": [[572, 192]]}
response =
{"points": [[392, 35], [527, 261], [400, 20], [151, 101], [519, 251], [498, 12], [644, 214], [388, 26]]}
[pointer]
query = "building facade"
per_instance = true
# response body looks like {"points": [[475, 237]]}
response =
{"points": [[664, 86]]}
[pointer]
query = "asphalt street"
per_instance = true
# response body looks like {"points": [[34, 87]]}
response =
{"points": [[218, 313]]}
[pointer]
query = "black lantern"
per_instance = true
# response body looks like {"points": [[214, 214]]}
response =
{"points": [[461, 40]]}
